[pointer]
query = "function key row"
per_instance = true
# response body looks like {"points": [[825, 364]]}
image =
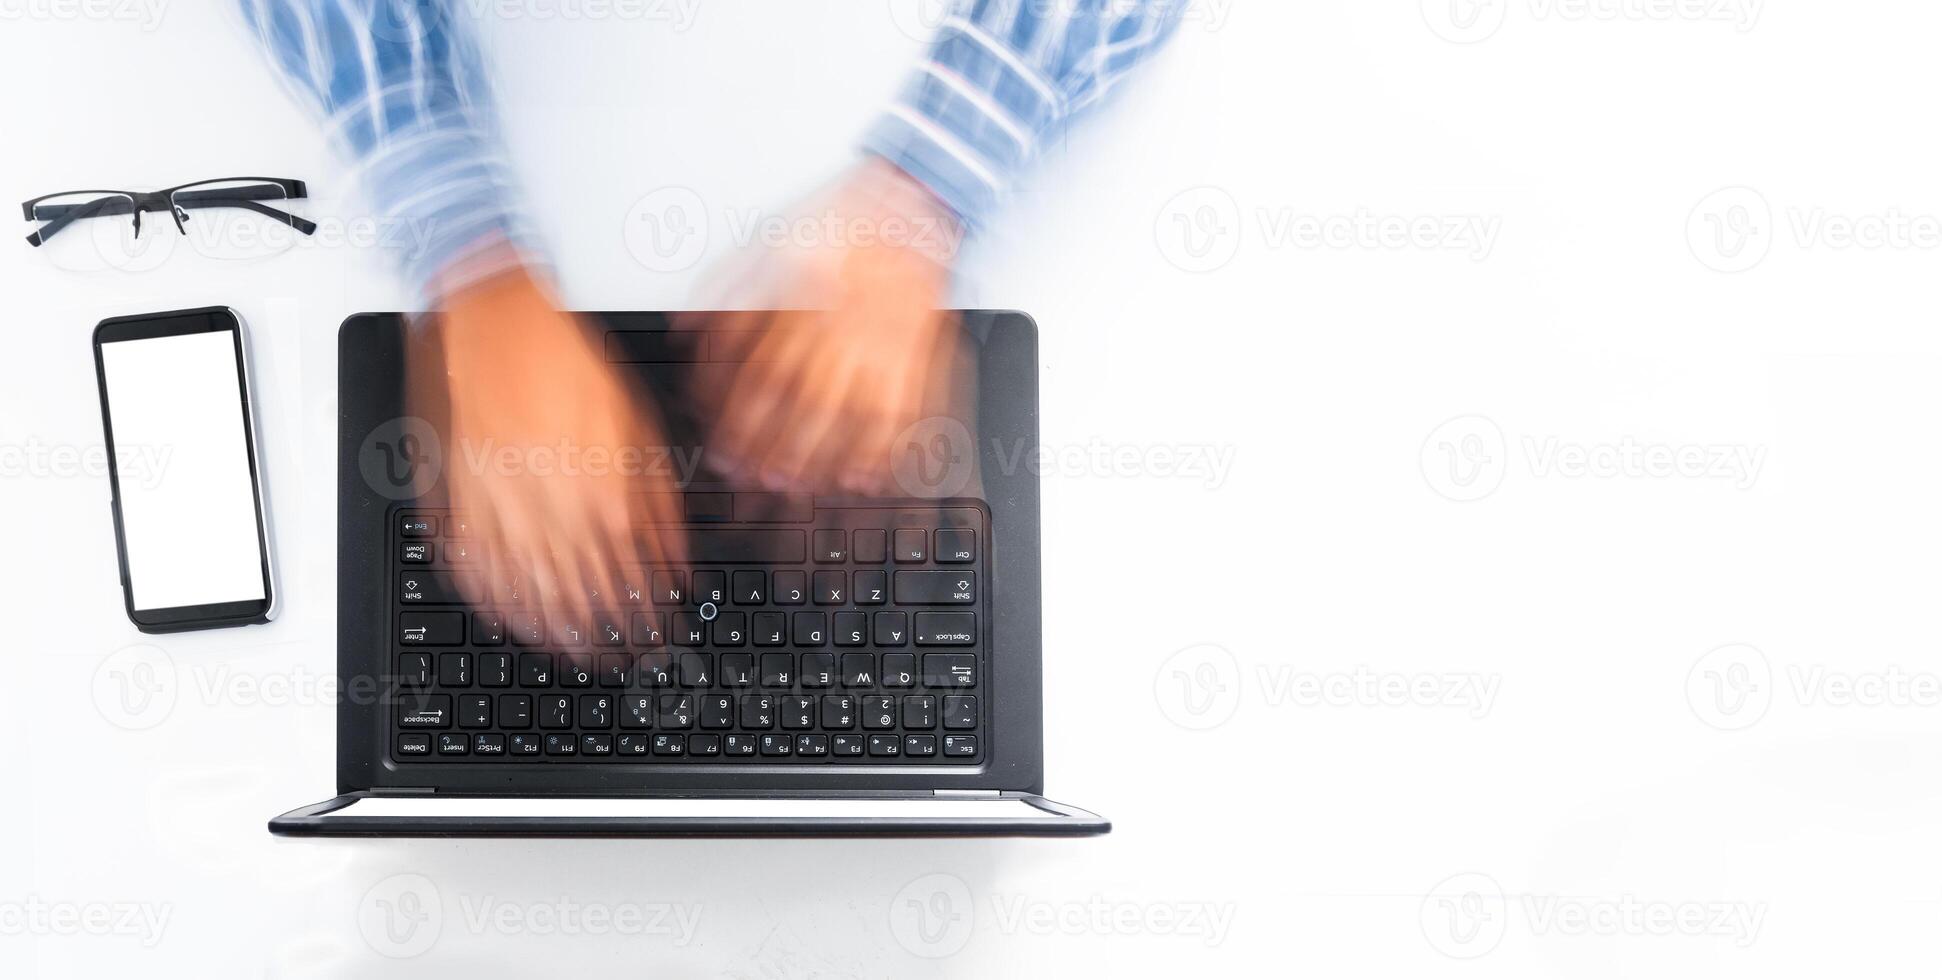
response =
{"points": [[741, 587], [828, 546], [700, 745], [701, 507], [886, 628]]}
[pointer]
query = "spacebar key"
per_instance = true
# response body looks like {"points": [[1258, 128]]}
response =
{"points": [[746, 546]]}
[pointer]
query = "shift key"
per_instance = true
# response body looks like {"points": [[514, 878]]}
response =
{"points": [[946, 629], [946, 588], [419, 587]]}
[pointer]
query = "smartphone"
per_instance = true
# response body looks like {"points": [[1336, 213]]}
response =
{"points": [[189, 526]]}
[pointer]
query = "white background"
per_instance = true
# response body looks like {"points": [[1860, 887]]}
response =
{"points": [[1673, 658]]}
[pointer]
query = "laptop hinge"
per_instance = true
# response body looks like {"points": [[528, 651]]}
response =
{"points": [[974, 793], [403, 791]]}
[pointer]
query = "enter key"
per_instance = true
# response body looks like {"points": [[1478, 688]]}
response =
{"points": [[947, 588]]}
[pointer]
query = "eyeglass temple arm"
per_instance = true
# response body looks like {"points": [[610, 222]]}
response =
{"points": [[60, 216], [226, 201]]}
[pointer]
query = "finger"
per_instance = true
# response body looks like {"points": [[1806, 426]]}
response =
{"points": [[949, 394], [602, 555], [758, 405], [740, 403], [868, 471], [821, 437], [811, 419], [598, 571], [569, 537], [739, 280], [477, 580], [733, 334], [622, 546], [727, 338], [791, 387], [656, 516], [531, 539], [891, 402], [634, 562]]}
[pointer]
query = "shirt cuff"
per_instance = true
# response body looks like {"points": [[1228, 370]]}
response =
{"points": [[968, 121], [444, 199]]}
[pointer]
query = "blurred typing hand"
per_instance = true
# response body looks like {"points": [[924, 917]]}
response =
{"points": [[843, 344], [540, 430]]}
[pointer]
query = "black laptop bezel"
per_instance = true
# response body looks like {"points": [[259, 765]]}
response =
{"points": [[370, 394]]}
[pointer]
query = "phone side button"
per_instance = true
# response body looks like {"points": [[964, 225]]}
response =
{"points": [[114, 511]]}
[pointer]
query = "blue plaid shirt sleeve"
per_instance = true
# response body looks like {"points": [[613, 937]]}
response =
{"points": [[1001, 77], [403, 87]]}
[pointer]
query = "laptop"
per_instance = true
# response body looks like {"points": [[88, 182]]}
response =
{"points": [[823, 666]]}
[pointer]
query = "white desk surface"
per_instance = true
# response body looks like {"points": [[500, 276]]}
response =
{"points": [[1560, 797]]}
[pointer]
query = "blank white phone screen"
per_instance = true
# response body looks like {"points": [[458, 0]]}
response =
{"points": [[188, 510]]}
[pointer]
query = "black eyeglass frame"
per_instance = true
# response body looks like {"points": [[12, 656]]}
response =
{"points": [[175, 200]]}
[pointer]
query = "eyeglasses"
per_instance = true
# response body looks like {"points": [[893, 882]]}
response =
{"points": [[239, 218]]}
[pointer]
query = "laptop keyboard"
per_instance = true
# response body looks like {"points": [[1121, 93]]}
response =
{"points": [[797, 636]]}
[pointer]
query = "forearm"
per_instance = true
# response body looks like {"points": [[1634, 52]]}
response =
{"points": [[1000, 80], [402, 88]]}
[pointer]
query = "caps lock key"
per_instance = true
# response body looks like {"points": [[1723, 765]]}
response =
{"points": [[946, 629]]}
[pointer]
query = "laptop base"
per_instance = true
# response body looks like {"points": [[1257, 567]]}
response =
{"points": [[998, 815]]}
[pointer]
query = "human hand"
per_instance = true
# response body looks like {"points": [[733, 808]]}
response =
{"points": [[842, 342], [541, 432]]}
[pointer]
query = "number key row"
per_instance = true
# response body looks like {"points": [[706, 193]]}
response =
{"points": [[689, 670], [682, 712]]}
